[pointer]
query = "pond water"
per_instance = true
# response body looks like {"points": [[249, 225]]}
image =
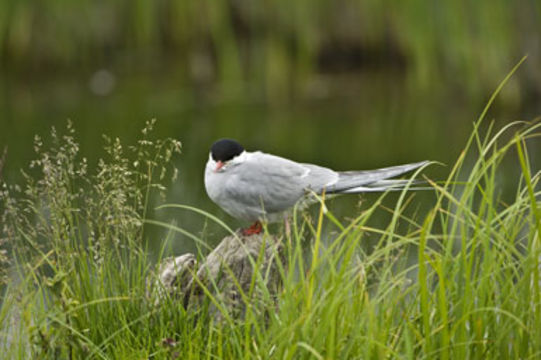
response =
{"points": [[346, 122]]}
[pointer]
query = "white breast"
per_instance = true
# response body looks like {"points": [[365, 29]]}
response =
{"points": [[217, 185]]}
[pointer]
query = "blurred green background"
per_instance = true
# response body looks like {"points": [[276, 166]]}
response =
{"points": [[350, 84]]}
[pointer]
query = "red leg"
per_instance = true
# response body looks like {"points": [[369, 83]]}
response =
{"points": [[256, 228]]}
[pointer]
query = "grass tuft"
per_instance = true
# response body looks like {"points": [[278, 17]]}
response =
{"points": [[460, 280]]}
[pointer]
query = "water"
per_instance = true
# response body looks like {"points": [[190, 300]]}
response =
{"points": [[346, 122]]}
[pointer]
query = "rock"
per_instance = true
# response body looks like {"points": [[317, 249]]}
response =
{"points": [[226, 274], [174, 274]]}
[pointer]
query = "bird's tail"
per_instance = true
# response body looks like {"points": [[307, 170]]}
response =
{"points": [[351, 182]]}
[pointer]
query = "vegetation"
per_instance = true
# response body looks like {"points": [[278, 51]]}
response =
{"points": [[459, 281], [277, 44]]}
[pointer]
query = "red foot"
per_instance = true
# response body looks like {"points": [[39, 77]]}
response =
{"points": [[256, 228]]}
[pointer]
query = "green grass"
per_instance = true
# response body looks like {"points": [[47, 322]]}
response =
{"points": [[276, 44], [460, 280]]}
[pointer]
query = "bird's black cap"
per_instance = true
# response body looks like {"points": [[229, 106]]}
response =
{"points": [[225, 150]]}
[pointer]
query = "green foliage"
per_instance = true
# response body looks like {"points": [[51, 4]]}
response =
{"points": [[275, 42], [459, 281], [76, 235]]}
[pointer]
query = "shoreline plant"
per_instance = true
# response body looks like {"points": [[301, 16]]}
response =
{"points": [[79, 283]]}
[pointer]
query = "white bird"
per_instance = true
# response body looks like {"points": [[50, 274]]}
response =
{"points": [[255, 186]]}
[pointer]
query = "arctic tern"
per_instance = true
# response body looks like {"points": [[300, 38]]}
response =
{"points": [[256, 187]]}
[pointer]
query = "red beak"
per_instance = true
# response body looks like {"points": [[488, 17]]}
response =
{"points": [[219, 165]]}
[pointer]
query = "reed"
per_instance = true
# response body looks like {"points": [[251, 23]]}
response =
{"points": [[460, 280], [277, 44]]}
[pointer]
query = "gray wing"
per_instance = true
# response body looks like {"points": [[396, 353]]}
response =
{"points": [[276, 183]]}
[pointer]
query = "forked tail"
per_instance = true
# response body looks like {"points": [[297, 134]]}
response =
{"points": [[351, 182]]}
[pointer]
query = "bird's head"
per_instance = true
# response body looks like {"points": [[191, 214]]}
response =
{"points": [[224, 152]]}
